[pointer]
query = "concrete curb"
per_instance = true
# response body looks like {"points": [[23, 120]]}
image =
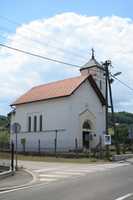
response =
{"points": [[121, 157], [34, 179], [6, 174]]}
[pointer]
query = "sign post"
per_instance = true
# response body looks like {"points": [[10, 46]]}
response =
{"points": [[107, 139]]}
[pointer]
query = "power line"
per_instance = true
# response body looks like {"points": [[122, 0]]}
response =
{"points": [[46, 58], [57, 61], [49, 59], [40, 33], [122, 82], [95, 70], [39, 56], [34, 40]]}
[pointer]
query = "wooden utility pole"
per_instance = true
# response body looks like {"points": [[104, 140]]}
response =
{"points": [[106, 64]]}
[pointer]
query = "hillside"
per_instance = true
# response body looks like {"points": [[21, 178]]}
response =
{"points": [[122, 118]]}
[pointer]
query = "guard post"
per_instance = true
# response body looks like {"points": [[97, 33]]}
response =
{"points": [[55, 141]]}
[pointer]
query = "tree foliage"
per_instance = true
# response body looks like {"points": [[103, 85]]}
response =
{"points": [[4, 137], [124, 121], [4, 129], [122, 118]]}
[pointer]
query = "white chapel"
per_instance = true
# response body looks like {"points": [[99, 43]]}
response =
{"points": [[70, 112]]}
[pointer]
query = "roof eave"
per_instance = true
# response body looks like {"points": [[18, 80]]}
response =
{"points": [[92, 82], [98, 66], [34, 101]]}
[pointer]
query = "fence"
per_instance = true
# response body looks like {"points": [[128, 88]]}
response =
{"points": [[58, 151]]}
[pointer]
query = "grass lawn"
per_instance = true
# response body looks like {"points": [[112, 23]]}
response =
{"points": [[60, 159], [4, 155], [53, 159]]}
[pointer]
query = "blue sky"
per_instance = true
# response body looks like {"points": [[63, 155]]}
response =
{"points": [[28, 10], [82, 24]]}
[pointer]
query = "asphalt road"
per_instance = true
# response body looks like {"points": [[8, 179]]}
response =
{"points": [[115, 184]]}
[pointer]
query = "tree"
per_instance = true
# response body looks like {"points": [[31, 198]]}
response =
{"points": [[122, 134]]}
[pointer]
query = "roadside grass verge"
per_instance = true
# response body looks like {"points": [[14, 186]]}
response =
{"points": [[43, 158], [5, 155], [60, 159]]}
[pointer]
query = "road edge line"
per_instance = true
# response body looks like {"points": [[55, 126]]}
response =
{"points": [[125, 196], [34, 179]]}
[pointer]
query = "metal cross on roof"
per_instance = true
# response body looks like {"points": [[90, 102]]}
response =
{"points": [[92, 54]]}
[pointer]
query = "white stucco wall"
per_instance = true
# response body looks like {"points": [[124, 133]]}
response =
{"points": [[86, 105], [63, 113]]}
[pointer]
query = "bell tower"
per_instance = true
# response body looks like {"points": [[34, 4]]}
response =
{"points": [[96, 70]]}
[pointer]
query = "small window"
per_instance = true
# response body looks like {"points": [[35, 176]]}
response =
{"points": [[29, 124], [35, 123], [40, 122]]}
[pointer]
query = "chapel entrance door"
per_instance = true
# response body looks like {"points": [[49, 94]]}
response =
{"points": [[86, 140], [86, 130]]}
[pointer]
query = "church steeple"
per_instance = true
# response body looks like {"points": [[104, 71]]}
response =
{"points": [[95, 69], [91, 63]]}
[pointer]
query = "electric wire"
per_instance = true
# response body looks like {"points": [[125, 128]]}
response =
{"points": [[57, 61], [36, 41], [46, 58], [122, 82], [37, 55]]}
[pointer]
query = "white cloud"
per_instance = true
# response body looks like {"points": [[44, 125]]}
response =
{"points": [[76, 34]]}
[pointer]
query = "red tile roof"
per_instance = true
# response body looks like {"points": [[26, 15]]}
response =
{"points": [[52, 90]]}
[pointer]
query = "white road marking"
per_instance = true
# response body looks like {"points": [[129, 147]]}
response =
{"points": [[22, 188], [44, 170], [86, 170], [125, 197], [48, 179], [80, 170], [69, 173], [56, 175], [49, 174], [13, 190], [53, 175]]}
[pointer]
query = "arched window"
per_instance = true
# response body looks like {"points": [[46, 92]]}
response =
{"points": [[86, 125], [40, 123], [29, 124], [35, 123]]}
